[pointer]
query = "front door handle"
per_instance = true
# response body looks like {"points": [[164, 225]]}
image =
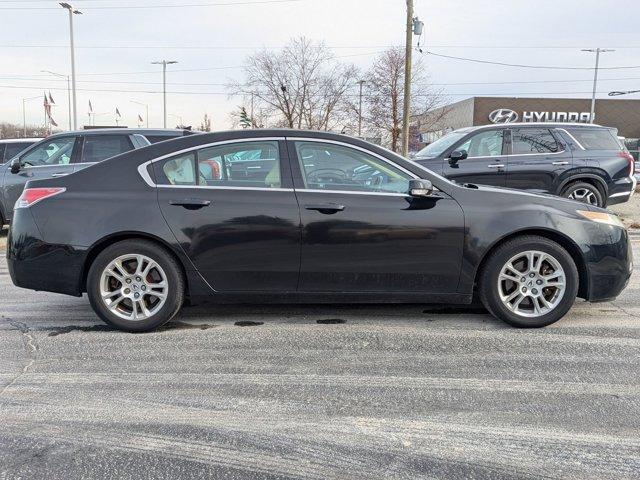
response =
{"points": [[59, 174], [191, 203], [560, 163], [496, 165], [326, 208]]}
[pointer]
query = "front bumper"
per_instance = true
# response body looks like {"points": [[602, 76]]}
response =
{"points": [[609, 262], [38, 265]]}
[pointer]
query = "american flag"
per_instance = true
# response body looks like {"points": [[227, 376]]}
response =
{"points": [[140, 118], [118, 112], [51, 99], [90, 107]]}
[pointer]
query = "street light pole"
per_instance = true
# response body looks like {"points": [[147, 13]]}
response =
{"points": [[24, 114], [72, 11], [361, 83], [597, 51], [164, 64], [68, 90], [146, 106]]}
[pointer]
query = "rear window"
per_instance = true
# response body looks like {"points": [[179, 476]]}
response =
{"points": [[595, 138], [100, 147]]}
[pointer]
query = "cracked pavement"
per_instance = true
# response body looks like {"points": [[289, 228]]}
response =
{"points": [[393, 391]]}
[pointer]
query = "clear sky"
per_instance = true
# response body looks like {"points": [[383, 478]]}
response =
{"points": [[116, 45]]}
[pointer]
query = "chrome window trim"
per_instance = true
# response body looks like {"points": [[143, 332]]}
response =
{"points": [[354, 192], [142, 168], [355, 147], [58, 165]]}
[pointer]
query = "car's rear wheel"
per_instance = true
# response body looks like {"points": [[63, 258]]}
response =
{"points": [[529, 281], [135, 285], [584, 192]]}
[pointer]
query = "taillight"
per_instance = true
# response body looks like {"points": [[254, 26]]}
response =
{"points": [[632, 164], [31, 196]]}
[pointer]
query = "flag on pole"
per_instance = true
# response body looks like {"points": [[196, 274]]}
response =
{"points": [[140, 118], [52, 121], [51, 99], [47, 106], [90, 107], [118, 112]]}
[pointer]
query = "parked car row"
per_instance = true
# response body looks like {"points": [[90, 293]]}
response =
{"points": [[298, 216], [64, 153], [583, 162]]}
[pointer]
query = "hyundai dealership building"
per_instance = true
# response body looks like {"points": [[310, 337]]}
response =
{"points": [[622, 114]]}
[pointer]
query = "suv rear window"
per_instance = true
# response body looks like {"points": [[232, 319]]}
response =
{"points": [[595, 138]]}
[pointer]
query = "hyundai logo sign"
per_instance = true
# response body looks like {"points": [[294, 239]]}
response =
{"points": [[503, 115]]}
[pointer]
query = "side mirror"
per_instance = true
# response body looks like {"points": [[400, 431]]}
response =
{"points": [[15, 165], [420, 188], [456, 156]]}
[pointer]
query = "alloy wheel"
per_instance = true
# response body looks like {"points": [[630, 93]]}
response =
{"points": [[134, 287], [531, 283], [584, 195]]}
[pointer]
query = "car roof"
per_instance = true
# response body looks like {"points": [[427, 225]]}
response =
{"points": [[126, 131], [20, 140], [531, 124]]}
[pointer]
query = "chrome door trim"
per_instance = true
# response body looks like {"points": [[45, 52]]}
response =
{"points": [[144, 173]]}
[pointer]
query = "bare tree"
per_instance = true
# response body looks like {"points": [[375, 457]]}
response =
{"points": [[302, 86], [385, 94]]}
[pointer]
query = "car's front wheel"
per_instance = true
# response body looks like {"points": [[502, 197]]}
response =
{"points": [[529, 281], [135, 285]]}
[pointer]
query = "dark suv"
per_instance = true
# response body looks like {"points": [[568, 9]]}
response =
{"points": [[65, 153], [584, 162]]}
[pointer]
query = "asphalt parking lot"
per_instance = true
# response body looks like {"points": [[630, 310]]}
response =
{"points": [[318, 392]]}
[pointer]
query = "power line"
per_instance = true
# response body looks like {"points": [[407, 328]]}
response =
{"points": [[469, 94], [155, 7], [519, 65]]}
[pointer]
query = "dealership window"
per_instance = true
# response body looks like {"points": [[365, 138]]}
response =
{"points": [[334, 167], [484, 144], [246, 164], [532, 140]]}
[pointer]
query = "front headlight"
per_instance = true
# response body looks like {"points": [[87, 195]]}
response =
{"points": [[601, 217]]}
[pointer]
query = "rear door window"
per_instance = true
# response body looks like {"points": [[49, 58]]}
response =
{"points": [[526, 141], [595, 138], [100, 147]]}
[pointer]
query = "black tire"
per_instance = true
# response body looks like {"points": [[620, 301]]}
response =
{"points": [[175, 284], [582, 188], [488, 281]]}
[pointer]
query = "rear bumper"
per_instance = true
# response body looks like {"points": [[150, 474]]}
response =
{"points": [[609, 262], [623, 190], [37, 265]]}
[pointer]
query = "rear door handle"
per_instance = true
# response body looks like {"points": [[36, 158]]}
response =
{"points": [[494, 165], [191, 203], [560, 163], [59, 174], [326, 208]]}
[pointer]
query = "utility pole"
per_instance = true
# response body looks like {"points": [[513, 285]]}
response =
{"points": [[72, 12], [361, 83], [164, 64], [406, 114], [597, 51]]}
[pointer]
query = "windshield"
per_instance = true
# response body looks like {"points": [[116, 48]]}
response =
{"points": [[436, 148]]}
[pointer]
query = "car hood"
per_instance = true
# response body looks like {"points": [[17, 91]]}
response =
{"points": [[532, 196]]}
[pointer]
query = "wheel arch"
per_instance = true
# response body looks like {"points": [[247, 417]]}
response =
{"points": [[105, 242], [592, 178], [564, 241]]}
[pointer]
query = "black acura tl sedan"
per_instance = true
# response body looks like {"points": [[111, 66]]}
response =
{"points": [[299, 216]]}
